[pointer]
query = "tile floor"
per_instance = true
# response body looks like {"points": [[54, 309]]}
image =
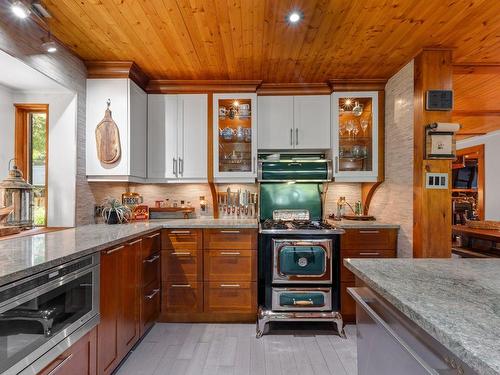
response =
{"points": [[232, 349]]}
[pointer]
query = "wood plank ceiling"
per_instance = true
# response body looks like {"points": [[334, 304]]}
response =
{"points": [[250, 39]]}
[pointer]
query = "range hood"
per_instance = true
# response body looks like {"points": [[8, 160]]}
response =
{"points": [[294, 168]]}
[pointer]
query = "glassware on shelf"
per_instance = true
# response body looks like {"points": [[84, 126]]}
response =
{"points": [[239, 134], [364, 126], [349, 127], [227, 134]]}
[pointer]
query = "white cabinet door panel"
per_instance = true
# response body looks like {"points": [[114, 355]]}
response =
{"points": [[138, 131], [275, 123], [193, 136], [312, 122]]}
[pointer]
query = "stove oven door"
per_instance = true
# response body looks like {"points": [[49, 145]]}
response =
{"points": [[302, 299], [302, 261]]}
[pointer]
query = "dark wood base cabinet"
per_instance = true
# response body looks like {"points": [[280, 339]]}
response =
{"points": [[209, 275], [362, 243], [78, 359]]}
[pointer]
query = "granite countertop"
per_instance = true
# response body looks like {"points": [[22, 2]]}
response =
{"points": [[348, 224], [456, 301], [24, 256]]}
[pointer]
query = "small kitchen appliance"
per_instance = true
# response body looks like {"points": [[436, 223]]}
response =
{"points": [[299, 254]]}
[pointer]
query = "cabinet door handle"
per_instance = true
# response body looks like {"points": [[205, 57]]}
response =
{"points": [[150, 296], [134, 242], [54, 370], [174, 166], [369, 231], [114, 250], [181, 286], [181, 166], [254, 164], [152, 259], [230, 231], [181, 253], [291, 137], [375, 253], [154, 235], [180, 232], [296, 136], [336, 164], [229, 285], [230, 253]]}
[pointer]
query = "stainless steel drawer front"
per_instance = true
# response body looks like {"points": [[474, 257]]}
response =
{"points": [[307, 299]]}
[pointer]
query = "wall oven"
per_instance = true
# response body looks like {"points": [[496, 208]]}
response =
{"points": [[302, 261], [41, 315]]}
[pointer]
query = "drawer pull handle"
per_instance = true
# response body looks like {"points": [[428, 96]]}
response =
{"points": [[150, 296], [154, 235], [134, 242], [54, 370], [114, 250], [230, 231], [152, 259], [181, 253], [369, 231], [369, 253], [229, 253], [181, 285], [181, 232], [229, 285]]}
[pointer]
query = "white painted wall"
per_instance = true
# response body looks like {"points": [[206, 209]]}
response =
{"points": [[491, 143], [7, 128], [61, 153]]}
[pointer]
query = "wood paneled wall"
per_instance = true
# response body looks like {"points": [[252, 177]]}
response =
{"points": [[431, 207]]}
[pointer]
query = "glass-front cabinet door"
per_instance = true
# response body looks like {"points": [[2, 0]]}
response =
{"points": [[235, 141], [355, 136]]}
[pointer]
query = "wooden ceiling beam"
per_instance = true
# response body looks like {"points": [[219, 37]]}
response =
{"points": [[117, 69], [357, 84], [476, 68], [474, 113]]}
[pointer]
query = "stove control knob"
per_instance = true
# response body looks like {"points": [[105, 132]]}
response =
{"points": [[302, 262]]}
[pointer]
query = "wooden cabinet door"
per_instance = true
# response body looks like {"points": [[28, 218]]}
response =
{"points": [[237, 297], [162, 136], [182, 265], [109, 308], [150, 305], [78, 359], [230, 265], [192, 136], [230, 239], [311, 122], [185, 297], [181, 239], [128, 319], [275, 123]]}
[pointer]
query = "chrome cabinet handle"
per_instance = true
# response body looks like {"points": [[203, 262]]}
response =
{"points": [[230, 253], [54, 370], [230, 231], [114, 250], [254, 164], [181, 253], [180, 232], [369, 231], [291, 137], [180, 286], [152, 259], [134, 242], [150, 296], [369, 253], [336, 164], [181, 166], [229, 285], [296, 136], [174, 167], [154, 235]]}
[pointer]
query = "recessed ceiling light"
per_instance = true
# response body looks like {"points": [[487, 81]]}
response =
{"points": [[20, 9], [50, 46], [294, 17]]}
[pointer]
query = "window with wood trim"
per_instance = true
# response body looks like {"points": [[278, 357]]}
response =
{"points": [[31, 153]]}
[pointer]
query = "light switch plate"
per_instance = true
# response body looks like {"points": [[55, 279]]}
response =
{"points": [[436, 180]]}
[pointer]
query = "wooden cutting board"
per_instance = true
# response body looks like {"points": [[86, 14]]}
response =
{"points": [[107, 137]]}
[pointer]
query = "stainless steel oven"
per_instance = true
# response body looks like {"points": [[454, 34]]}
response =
{"points": [[301, 299], [302, 261], [38, 313]]}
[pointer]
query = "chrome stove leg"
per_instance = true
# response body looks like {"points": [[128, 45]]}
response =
{"points": [[339, 323], [262, 321]]}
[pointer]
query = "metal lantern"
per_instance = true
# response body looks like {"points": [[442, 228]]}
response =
{"points": [[17, 194]]}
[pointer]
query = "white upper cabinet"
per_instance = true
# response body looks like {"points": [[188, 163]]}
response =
{"points": [[294, 122], [177, 137], [128, 106], [275, 122], [311, 119], [235, 138], [355, 136]]}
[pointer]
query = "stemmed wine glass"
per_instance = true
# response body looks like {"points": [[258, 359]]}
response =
{"points": [[364, 126], [349, 127]]}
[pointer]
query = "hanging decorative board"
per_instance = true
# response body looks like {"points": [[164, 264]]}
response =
{"points": [[107, 137]]}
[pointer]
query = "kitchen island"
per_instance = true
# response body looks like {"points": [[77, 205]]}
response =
{"points": [[455, 303]]}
